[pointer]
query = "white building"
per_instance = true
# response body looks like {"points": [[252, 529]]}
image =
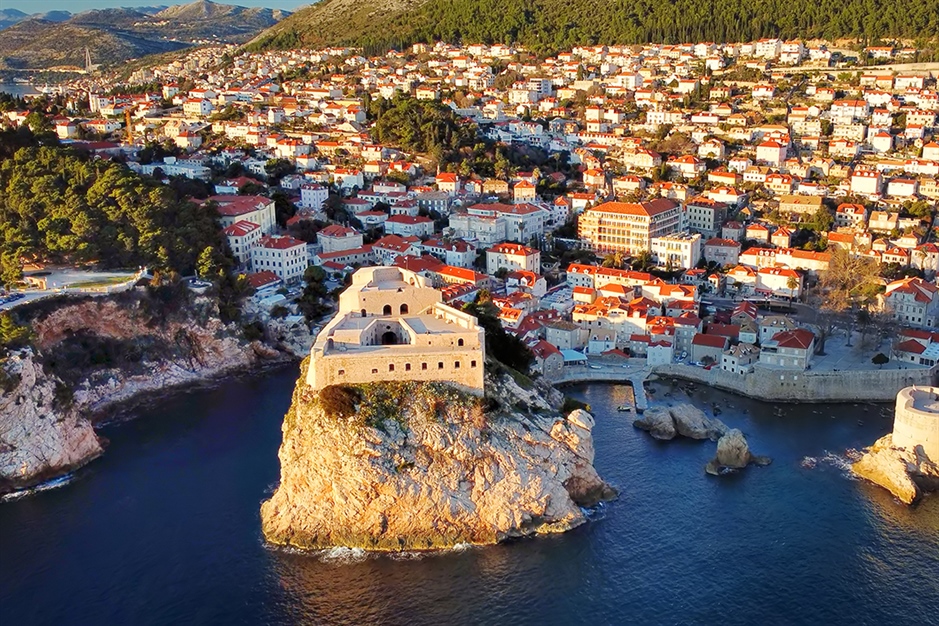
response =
{"points": [[681, 250], [283, 255]]}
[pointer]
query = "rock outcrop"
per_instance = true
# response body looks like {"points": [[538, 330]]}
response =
{"points": [[906, 473], [733, 453], [687, 420], [88, 356], [421, 466]]}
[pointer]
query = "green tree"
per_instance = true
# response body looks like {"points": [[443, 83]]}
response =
{"points": [[13, 335], [880, 359]]}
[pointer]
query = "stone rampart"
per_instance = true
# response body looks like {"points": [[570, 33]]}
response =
{"points": [[778, 385], [916, 421]]}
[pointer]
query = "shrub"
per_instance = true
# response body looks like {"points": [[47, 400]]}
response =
{"points": [[570, 404], [339, 400]]}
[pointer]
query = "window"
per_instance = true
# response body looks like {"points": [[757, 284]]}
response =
{"points": [[374, 370], [440, 365], [386, 310], [456, 365], [407, 367], [459, 342], [343, 372], [423, 366], [404, 309], [391, 367]]}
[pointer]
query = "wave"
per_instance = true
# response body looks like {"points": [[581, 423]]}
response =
{"points": [[55, 483], [343, 555], [841, 462]]}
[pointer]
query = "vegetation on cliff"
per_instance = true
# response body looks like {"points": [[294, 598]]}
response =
{"points": [[57, 205], [553, 25]]}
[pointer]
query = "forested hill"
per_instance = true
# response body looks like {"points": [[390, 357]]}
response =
{"points": [[554, 25], [60, 206]]}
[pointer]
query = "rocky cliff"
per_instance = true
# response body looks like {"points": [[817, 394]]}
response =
{"points": [[420, 466], [87, 356], [906, 473]]}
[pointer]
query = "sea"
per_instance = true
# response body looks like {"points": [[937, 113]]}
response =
{"points": [[17, 89], [164, 529]]}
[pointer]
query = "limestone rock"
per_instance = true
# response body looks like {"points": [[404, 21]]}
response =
{"points": [[431, 470], [907, 474], [46, 427], [682, 419], [733, 453], [658, 422], [733, 450]]}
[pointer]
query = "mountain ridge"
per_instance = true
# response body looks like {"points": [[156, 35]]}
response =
{"points": [[114, 35], [553, 25]]}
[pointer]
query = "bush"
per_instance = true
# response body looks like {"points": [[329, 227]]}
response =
{"points": [[339, 400], [253, 331], [570, 405]]}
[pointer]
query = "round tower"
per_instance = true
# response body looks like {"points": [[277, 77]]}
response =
{"points": [[917, 420]]}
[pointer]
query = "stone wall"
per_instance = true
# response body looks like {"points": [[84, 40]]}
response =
{"points": [[463, 367], [919, 424], [795, 386]]}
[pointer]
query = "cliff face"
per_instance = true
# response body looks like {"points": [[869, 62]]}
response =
{"points": [[92, 354], [418, 466]]}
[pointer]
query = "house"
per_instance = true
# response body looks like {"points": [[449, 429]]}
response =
{"points": [[600, 341], [707, 348], [549, 362], [659, 353], [242, 236], [799, 204], [790, 349], [448, 182], [913, 301], [256, 209], [565, 335], [740, 358], [705, 215], [512, 256], [283, 255], [335, 237], [406, 226], [722, 252]]}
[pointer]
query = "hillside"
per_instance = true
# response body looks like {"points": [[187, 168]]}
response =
{"points": [[114, 35], [552, 25]]}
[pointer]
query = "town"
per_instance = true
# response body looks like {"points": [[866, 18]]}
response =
{"points": [[757, 207]]}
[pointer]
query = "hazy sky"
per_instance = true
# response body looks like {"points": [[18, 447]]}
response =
{"points": [[75, 6]]}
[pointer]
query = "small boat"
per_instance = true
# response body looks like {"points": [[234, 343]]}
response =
{"points": [[625, 408]]}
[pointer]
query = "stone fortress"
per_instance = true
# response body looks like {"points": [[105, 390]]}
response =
{"points": [[392, 325], [916, 421]]}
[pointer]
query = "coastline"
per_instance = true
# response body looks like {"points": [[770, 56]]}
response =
{"points": [[766, 384]]}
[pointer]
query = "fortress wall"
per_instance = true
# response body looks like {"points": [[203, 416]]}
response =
{"points": [[463, 367], [914, 426], [809, 386]]}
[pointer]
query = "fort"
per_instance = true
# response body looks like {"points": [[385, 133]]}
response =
{"points": [[916, 422], [392, 325]]}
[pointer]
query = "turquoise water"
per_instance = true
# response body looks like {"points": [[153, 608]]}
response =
{"points": [[164, 529]]}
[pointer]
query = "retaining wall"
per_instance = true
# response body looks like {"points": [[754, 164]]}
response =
{"points": [[791, 386]]}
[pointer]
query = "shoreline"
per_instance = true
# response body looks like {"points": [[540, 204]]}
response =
{"points": [[768, 385], [106, 412]]}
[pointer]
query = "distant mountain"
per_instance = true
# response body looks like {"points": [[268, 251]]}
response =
{"points": [[552, 25], [8, 17], [114, 35]]}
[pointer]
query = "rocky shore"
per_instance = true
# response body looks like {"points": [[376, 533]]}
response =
{"points": [[51, 398], [422, 466], [906, 473]]}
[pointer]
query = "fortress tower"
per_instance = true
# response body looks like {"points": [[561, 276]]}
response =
{"points": [[917, 420], [392, 325]]}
